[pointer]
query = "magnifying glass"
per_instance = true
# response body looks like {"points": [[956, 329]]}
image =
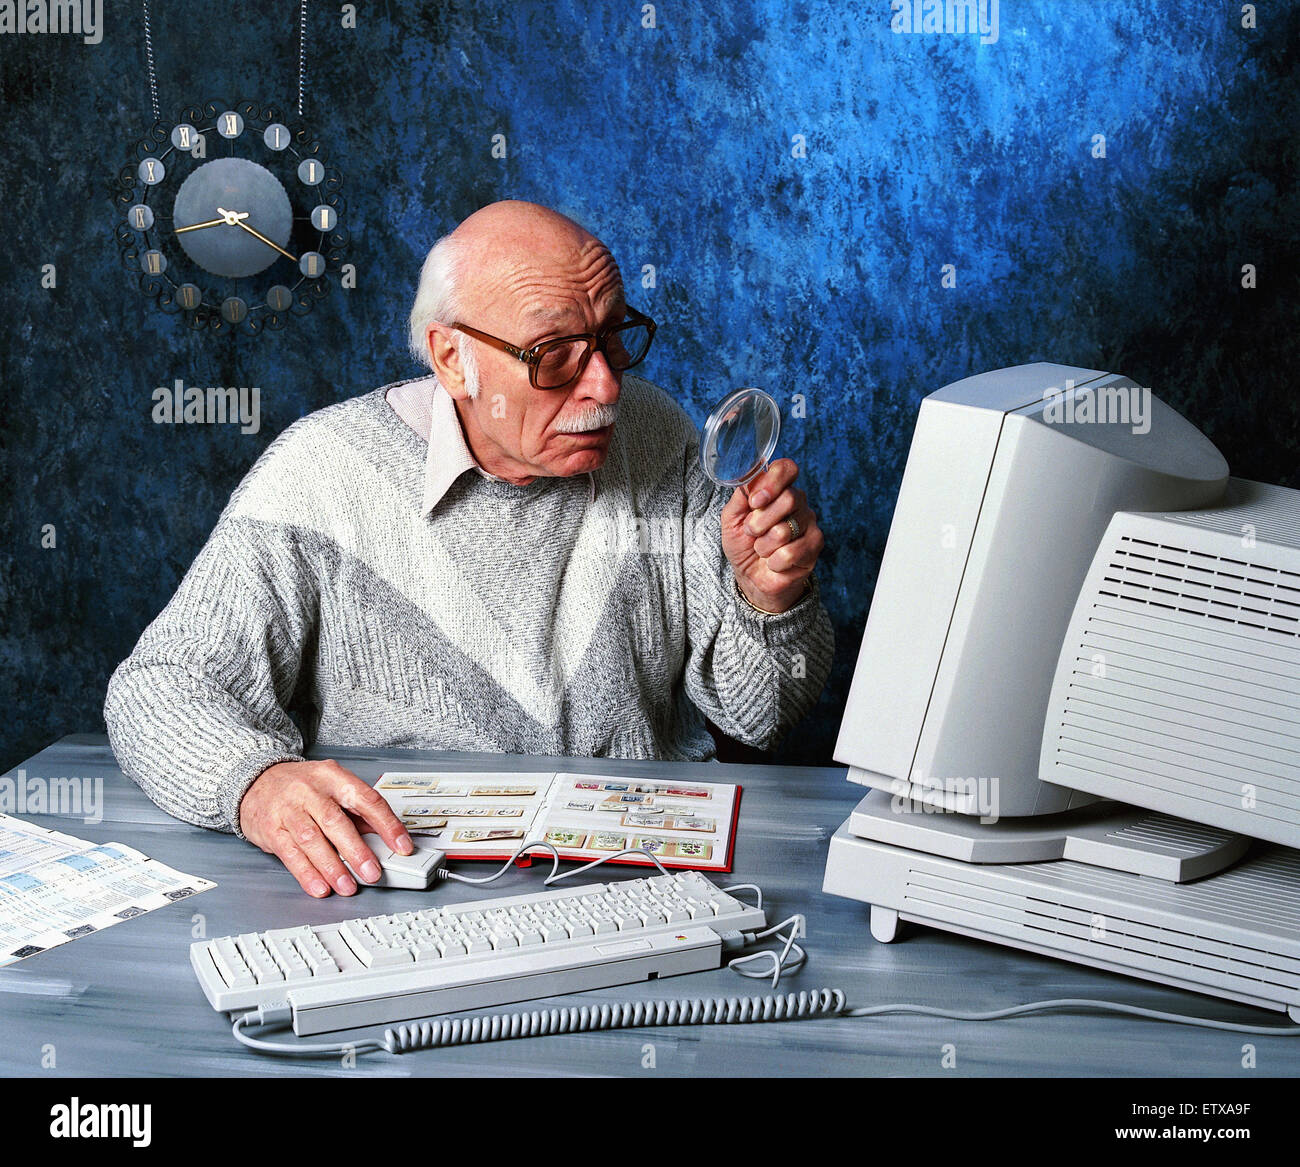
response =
{"points": [[740, 437]]}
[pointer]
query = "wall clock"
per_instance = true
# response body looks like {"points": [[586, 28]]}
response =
{"points": [[231, 218]]}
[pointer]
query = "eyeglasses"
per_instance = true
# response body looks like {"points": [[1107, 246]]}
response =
{"points": [[557, 363]]}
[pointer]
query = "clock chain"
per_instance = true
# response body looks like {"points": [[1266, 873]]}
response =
{"points": [[153, 73], [148, 52], [302, 54]]}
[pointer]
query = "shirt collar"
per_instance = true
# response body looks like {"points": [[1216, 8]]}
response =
{"points": [[431, 411]]}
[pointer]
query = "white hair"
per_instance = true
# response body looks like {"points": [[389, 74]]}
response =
{"points": [[437, 301]]}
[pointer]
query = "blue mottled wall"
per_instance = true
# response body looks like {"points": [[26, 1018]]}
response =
{"points": [[816, 274]]}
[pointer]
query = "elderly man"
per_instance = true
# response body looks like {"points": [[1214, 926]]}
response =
{"points": [[517, 554]]}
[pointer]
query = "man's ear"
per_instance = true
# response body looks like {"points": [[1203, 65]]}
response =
{"points": [[446, 360]]}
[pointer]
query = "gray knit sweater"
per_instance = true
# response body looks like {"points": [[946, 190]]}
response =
{"points": [[568, 617]]}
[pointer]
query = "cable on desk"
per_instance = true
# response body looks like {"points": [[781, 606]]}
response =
{"points": [[570, 1019], [808, 1005], [1078, 1003], [264, 1018], [781, 963], [619, 1015], [758, 891], [555, 875]]}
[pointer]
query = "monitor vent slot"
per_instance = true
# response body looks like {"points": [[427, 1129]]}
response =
{"points": [[1170, 836], [1200, 583], [1076, 923], [1268, 512]]}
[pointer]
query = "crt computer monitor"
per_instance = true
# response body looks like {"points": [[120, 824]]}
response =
{"points": [[1075, 703], [1012, 478]]}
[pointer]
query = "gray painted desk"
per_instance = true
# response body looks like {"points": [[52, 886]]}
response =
{"points": [[124, 1001]]}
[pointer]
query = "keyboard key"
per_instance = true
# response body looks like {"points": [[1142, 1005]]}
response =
{"points": [[231, 964], [726, 906], [258, 959], [371, 950], [286, 956], [387, 957], [316, 955]]}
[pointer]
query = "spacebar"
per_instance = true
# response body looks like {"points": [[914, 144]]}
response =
{"points": [[391, 995]]}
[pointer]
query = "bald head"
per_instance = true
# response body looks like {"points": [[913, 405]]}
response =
{"points": [[530, 261], [515, 226]]}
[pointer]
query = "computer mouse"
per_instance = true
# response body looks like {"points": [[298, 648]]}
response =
{"points": [[413, 872]]}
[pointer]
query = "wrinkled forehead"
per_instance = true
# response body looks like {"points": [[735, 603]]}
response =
{"points": [[576, 286]]}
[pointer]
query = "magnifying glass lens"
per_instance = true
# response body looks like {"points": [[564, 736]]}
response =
{"points": [[740, 437]]}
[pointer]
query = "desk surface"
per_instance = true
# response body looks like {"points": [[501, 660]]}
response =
{"points": [[125, 1002]]}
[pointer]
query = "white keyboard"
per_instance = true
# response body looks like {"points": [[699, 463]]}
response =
{"points": [[389, 968]]}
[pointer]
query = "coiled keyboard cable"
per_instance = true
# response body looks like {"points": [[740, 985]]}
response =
{"points": [[804, 1006]]}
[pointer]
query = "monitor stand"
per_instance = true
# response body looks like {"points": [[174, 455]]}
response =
{"points": [[1107, 885]]}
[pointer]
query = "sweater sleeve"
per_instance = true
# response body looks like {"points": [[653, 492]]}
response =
{"points": [[754, 675], [198, 710]]}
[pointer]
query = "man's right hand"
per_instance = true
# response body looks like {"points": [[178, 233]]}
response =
{"points": [[302, 812]]}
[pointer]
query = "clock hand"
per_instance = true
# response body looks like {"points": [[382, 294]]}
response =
{"points": [[268, 242], [231, 217], [199, 226]]}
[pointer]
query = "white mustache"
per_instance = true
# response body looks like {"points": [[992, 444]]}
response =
{"points": [[596, 418]]}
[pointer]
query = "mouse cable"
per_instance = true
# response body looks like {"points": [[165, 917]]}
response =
{"points": [[758, 891], [555, 875], [782, 962]]}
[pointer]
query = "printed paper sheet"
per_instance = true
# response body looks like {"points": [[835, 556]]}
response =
{"points": [[55, 888], [585, 816]]}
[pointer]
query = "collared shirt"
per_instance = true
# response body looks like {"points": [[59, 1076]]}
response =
{"points": [[430, 411]]}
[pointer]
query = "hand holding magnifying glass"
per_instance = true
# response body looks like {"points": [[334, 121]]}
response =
{"points": [[769, 533]]}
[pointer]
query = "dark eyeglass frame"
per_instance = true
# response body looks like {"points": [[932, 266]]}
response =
{"points": [[596, 342]]}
